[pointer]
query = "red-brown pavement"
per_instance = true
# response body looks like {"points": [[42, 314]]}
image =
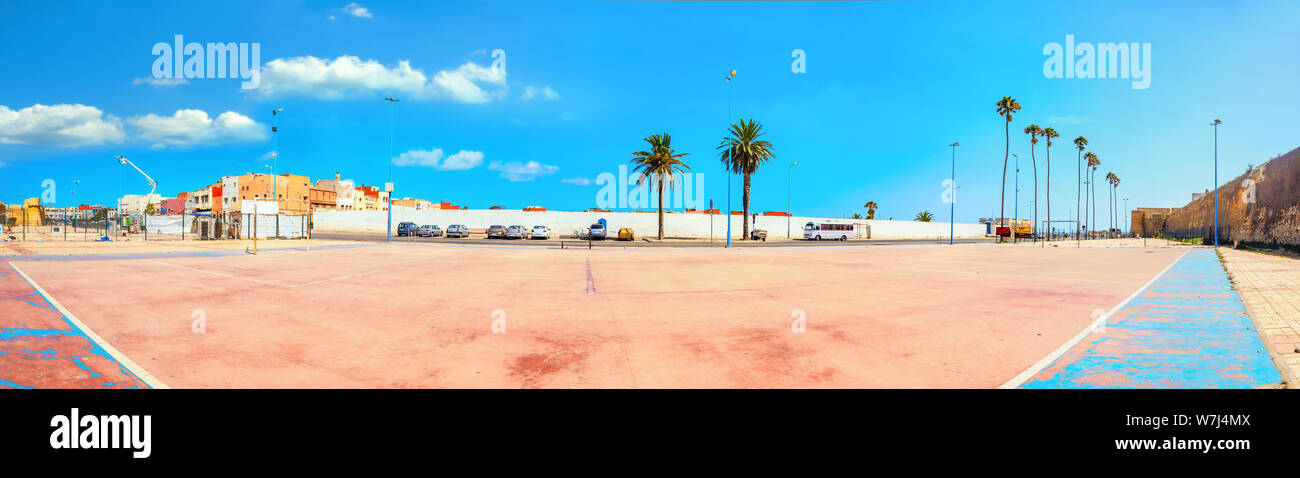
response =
{"points": [[423, 315]]}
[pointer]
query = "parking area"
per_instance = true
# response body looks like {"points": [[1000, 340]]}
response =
{"points": [[437, 315]]}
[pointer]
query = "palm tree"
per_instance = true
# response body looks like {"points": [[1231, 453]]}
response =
{"points": [[924, 216], [1092, 185], [660, 164], [855, 216], [1114, 201], [742, 153], [871, 209], [1110, 202], [1079, 143], [1005, 108], [1034, 131], [1049, 133], [1091, 162]]}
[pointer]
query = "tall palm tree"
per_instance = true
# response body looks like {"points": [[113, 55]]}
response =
{"points": [[1110, 201], [1114, 201], [742, 153], [1092, 185], [660, 164], [871, 209], [1049, 133], [924, 216], [1079, 143], [1090, 159], [1005, 108], [1034, 132]]}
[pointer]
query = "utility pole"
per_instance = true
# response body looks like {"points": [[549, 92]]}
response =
{"points": [[392, 102]]}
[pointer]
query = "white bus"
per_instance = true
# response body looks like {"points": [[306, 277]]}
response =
{"points": [[817, 231]]}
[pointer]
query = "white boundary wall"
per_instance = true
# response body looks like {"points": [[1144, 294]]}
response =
{"points": [[645, 224]]}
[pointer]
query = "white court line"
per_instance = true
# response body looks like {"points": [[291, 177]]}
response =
{"points": [[1019, 380], [292, 286], [220, 274], [121, 358]]}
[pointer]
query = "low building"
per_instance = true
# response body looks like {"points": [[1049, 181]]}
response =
{"points": [[342, 188], [323, 198]]}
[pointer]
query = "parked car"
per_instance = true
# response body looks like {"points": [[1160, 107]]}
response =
{"points": [[428, 230], [515, 232], [406, 228], [496, 231], [541, 232], [457, 230], [626, 234], [596, 231], [758, 235]]}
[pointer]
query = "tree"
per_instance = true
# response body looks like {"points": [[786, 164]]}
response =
{"points": [[151, 209], [660, 164], [742, 153], [1005, 108], [871, 209], [1093, 162], [1050, 134], [924, 216], [1034, 132], [855, 216], [1079, 143]]}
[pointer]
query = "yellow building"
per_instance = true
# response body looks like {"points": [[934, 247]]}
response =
{"points": [[30, 213], [292, 190]]}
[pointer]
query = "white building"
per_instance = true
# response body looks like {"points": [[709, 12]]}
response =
{"points": [[133, 204], [343, 190]]}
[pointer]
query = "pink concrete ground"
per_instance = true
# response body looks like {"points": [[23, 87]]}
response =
{"points": [[422, 315]]}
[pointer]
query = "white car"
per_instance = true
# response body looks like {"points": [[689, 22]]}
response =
{"points": [[541, 232]]}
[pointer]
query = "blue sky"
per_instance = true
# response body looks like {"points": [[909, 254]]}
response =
{"points": [[887, 86]]}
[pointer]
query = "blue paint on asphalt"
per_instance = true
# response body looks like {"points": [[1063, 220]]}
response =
{"points": [[1189, 329]]}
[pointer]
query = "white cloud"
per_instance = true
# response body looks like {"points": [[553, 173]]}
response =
{"points": [[577, 181], [462, 84], [349, 76], [545, 93], [60, 125], [357, 10], [161, 82], [517, 172], [194, 127], [434, 159], [332, 18]]}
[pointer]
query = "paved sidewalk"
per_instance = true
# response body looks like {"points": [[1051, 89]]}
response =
{"points": [[1188, 329], [1269, 285]]}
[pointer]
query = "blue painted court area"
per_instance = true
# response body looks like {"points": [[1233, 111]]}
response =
{"points": [[1189, 329]]}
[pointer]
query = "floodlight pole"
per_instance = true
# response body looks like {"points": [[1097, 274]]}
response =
{"points": [[392, 102], [729, 155], [1216, 124], [952, 201]]}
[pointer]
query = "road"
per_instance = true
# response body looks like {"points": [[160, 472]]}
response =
{"points": [[480, 239]]}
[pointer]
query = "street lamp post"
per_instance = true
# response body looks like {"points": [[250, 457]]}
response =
{"points": [[1128, 216], [788, 173], [392, 102], [952, 201], [275, 154], [729, 77], [1216, 124]]}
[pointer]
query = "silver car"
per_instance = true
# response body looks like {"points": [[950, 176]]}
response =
{"points": [[428, 230], [515, 232], [457, 230]]}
